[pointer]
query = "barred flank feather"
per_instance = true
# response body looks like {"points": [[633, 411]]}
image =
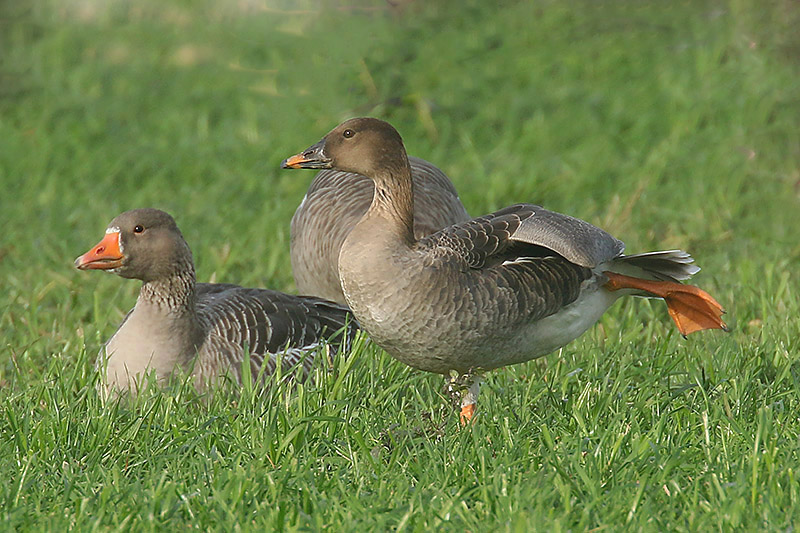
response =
{"points": [[268, 323]]}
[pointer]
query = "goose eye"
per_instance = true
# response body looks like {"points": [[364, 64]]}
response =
{"points": [[348, 133], [138, 228]]}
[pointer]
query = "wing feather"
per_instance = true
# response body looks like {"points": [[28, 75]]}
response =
{"points": [[268, 322], [522, 231]]}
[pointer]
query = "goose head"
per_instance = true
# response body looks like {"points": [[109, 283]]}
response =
{"points": [[366, 146], [143, 244]]}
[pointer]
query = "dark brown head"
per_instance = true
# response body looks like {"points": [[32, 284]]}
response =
{"points": [[143, 244], [365, 146]]}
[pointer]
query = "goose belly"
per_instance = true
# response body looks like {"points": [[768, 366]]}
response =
{"points": [[459, 335], [544, 336]]}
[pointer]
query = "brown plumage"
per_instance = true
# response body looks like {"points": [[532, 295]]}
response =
{"points": [[493, 291], [337, 200], [203, 328]]}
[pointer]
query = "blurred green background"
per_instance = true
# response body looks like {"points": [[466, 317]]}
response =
{"points": [[669, 124]]}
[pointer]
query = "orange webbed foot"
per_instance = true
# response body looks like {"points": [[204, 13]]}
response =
{"points": [[691, 308]]}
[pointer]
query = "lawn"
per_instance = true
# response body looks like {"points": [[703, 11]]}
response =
{"points": [[670, 124]]}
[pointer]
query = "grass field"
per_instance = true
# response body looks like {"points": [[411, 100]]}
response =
{"points": [[670, 124]]}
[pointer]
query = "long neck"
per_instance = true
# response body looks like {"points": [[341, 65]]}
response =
{"points": [[394, 199], [173, 296]]}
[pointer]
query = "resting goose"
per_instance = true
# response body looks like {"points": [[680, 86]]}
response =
{"points": [[336, 200], [203, 328], [493, 291]]}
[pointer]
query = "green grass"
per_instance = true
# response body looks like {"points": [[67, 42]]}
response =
{"points": [[671, 124]]}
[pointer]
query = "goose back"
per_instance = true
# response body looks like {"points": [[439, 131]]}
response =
{"points": [[265, 323]]}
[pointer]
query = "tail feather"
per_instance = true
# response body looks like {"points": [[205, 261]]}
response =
{"points": [[691, 308], [668, 265]]}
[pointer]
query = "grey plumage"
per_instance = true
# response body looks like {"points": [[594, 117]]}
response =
{"points": [[205, 329], [504, 234], [268, 323], [668, 265], [575, 240], [337, 200]]}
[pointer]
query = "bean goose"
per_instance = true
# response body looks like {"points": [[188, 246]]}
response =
{"points": [[336, 200], [493, 291], [203, 328]]}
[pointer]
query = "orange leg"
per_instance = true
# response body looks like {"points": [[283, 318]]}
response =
{"points": [[691, 308], [469, 401], [467, 411]]}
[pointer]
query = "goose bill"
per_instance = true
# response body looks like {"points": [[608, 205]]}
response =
{"points": [[105, 255], [314, 157]]}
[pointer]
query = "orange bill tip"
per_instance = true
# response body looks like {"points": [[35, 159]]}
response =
{"points": [[295, 161]]}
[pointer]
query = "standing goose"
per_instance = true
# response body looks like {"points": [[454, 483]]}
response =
{"points": [[336, 200], [493, 291], [203, 328]]}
